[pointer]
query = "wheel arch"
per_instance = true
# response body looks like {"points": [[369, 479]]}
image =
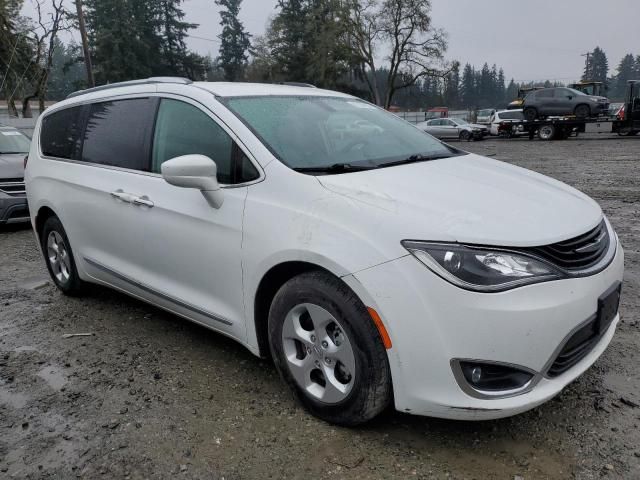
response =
{"points": [[583, 104], [268, 286], [42, 215]]}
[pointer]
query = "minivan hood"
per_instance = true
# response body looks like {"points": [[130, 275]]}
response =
{"points": [[469, 199], [12, 165]]}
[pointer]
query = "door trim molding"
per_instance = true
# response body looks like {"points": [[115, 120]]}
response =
{"points": [[151, 291]]}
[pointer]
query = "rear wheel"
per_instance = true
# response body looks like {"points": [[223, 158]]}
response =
{"points": [[530, 114], [59, 258], [547, 132], [327, 349], [582, 111]]}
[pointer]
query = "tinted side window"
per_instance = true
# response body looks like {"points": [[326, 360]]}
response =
{"points": [[119, 132], [544, 94], [60, 134], [182, 129]]}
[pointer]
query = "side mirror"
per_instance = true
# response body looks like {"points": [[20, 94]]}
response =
{"points": [[195, 171]]}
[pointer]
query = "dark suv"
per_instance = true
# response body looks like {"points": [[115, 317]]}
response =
{"points": [[13, 200], [563, 101]]}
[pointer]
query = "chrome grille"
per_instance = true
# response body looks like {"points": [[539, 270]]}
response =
{"points": [[12, 186], [578, 253]]}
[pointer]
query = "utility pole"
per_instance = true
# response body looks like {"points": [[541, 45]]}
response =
{"points": [[587, 68], [85, 44]]}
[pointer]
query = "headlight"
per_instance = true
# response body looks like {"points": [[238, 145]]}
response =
{"points": [[481, 269]]}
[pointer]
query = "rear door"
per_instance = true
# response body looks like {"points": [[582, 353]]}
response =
{"points": [[545, 102], [114, 157], [565, 101], [91, 152]]}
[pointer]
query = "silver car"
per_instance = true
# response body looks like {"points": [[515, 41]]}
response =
{"points": [[454, 128], [14, 145]]}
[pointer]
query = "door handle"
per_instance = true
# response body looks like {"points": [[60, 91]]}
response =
{"points": [[125, 197], [143, 201]]}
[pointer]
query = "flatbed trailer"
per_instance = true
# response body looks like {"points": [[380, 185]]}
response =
{"points": [[560, 128]]}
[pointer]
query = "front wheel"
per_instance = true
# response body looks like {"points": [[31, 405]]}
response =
{"points": [[465, 136], [582, 111], [59, 258], [328, 350]]}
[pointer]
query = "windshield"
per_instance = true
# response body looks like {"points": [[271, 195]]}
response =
{"points": [[485, 113], [12, 141], [460, 121], [308, 132]]}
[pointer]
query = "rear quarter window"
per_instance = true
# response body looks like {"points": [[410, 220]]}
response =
{"points": [[118, 133], [60, 134]]}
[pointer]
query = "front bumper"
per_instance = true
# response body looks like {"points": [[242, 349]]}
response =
{"points": [[13, 209], [432, 322]]}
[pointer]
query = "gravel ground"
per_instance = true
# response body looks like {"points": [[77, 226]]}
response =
{"points": [[152, 396]]}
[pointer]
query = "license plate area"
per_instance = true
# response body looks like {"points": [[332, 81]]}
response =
{"points": [[608, 304]]}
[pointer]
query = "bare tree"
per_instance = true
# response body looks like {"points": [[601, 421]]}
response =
{"points": [[405, 30], [44, 34]]}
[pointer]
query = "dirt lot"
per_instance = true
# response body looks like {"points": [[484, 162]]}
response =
{"points": [[152, 396]]}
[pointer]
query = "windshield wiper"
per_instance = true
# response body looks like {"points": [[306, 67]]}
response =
{"points": [[336, 168], [416, 159]]}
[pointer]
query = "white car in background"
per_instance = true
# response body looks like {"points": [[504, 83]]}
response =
{"points": [[374, 268], [454, 128], [506, 116]]}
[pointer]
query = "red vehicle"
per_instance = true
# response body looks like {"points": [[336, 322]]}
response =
{"points": [[437, 112]]}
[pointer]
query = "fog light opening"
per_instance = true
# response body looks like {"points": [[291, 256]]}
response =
{"points": [[476, 375], [494, 377]]}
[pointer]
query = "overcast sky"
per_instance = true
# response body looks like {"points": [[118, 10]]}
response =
{"points": [[531, 40]]}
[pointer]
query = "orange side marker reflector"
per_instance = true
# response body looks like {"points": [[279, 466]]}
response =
{"points": [[386, 340]]}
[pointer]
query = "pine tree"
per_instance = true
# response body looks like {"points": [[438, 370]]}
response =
{"points": [[452, 87], [235, 41], [485, 86], [124, 39], [288, 41], [597, 66], [626, 72], [139, 39], [327, 56], [468, 87], [173, 30], [500, 89], [512, 91]]}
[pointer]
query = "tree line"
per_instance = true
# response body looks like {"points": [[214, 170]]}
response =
{"points": [[387, 51]]}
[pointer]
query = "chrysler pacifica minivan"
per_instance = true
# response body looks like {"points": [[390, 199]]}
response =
{"points": [[373, 263]]}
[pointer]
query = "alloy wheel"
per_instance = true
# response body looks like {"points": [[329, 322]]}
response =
{"points": [[58, 257], [318, 352]]}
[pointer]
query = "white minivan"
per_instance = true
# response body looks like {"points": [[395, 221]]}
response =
{"points": [[375, 264]]}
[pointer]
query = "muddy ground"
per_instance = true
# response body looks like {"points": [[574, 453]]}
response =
{"points": [[152, 396]]}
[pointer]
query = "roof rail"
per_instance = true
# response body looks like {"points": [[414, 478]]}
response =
{"points": [[297, 84], [144, 81]]}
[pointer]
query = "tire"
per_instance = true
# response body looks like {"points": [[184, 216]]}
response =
{"points": [[530, 114], [547, 132], [582, 111], [319, 331], [59, 258], [465, 136]]}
